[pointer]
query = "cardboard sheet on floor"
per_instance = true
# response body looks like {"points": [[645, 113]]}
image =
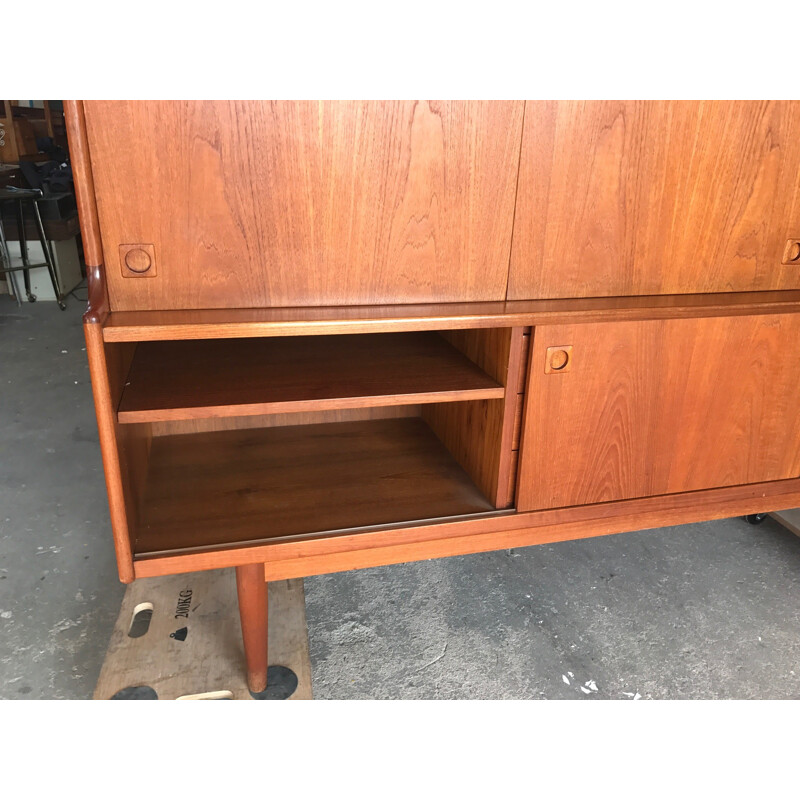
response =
{"points": [[789, 519], [193, 645]]}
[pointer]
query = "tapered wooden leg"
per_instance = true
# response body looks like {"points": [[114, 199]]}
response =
{"points": [[252, 590]]}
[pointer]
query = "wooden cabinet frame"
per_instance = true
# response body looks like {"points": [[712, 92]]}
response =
{"points": [[459, 430]]}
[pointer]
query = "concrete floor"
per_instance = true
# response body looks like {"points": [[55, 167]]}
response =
{"points": [[710, 610]]}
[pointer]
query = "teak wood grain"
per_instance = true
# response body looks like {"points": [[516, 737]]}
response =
{"points": [[235, 486], [210, 424], [124, 449], [522, 373], [85, 195], [652, 408], [648, 197], [84, 183], [215, 378], [123, 326], [652, 241], [479, 433], [340, 550], [517, 436], [256, 204]]}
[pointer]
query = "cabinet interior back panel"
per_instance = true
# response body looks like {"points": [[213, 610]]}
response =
{"points": [[658, 407], [253, 204], [656, 197]]}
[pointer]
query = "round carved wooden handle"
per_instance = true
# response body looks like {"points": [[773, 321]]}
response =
{"points": [[559, 359], [137, 260]]}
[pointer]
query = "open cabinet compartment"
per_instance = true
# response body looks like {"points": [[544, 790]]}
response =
{"points": [[237, 486], [225, 443], [235, 377]]}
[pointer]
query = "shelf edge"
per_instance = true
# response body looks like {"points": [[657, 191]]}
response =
{"points": [[299, 406]]}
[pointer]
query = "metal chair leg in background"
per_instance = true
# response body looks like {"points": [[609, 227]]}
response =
{"points": [[48, 255], [20, 197], [5, 264], [23, 251]]}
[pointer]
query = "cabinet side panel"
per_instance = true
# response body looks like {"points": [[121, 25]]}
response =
{"points": [[479, 433], [125, 449], [256, 204], [84, 183], [75, 121], [656, 197], [658, 407]]}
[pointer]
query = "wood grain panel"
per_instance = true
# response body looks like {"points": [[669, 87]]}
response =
{"points": [[479, 433], [513, 474], [662, 406], [98, 303], [523, 370], [175, 427], [84, 183], [235, 486], [227, 377], [517, 435], [648, 197], [489, 349], [125, 449], [256, 204], [341, 550]]}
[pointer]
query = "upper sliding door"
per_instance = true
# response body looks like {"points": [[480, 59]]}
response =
{"points": [[657, 197], [249, 204]]}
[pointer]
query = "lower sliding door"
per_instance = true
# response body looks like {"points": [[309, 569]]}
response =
{"points": [[620, 410]]}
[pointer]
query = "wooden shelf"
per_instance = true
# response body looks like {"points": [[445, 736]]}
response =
{"points": [[222, 378], [233, 487], [233, 323]]}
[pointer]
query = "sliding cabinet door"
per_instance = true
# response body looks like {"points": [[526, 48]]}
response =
{"points": [[635, 409], [254, 204], [657, 197]]}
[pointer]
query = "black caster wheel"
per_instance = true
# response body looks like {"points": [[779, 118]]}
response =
{"points": [[62, 305], [31, 298], [756, 519]]}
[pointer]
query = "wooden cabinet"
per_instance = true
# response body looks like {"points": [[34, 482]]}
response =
{"points": [[635, 409], [656, 197], [302, 203], [326, 336]]}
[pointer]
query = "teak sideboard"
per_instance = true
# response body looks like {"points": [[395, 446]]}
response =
{"points": [[333, 335]]}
